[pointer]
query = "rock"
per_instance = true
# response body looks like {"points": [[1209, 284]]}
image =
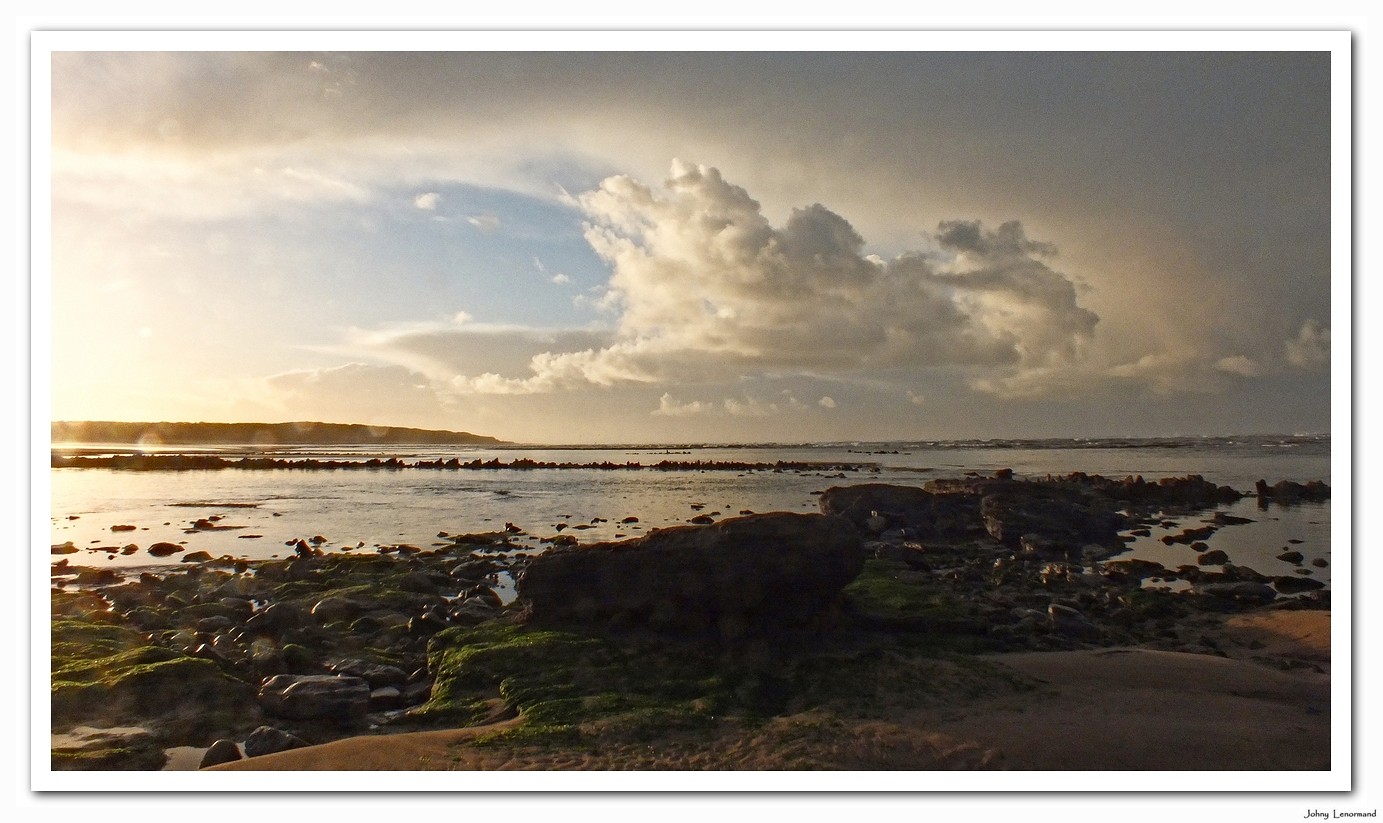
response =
{"points": [[1296, 585], [65, 548], [1222, 519], [1214, 557], [760, 570], [315, 697], [1291, 557], [1320, 562], [123, 748], [929, 515], [164, 549], [1011, 516], [222, 751], [1287, 492], [376, 674], [1134, 569], [97, 577], [385, 698], [1069, 622], [267, 740], [1247, 592], [196, 557]]}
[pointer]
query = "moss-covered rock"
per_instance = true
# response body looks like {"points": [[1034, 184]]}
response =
{"points": [[109, 675]]}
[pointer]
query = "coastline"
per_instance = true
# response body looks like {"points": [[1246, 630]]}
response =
{"points": [[971, 618]]}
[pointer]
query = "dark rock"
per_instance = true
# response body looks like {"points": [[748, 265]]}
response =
{"points": [[164, 549], [1214, 557], [65, 548], [1222, 519], [222, 751], [1245, 591], [385, 698], [196, 557], [97, 577], [1320, 562], [1291, 557], [315, 697], [376, 674], [267, 740], [1296, 585], [1287, 492], [1134, 569], [929, 515], [770, 569]]}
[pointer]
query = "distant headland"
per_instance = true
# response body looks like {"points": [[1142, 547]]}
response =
{"points": [[259, 434]]}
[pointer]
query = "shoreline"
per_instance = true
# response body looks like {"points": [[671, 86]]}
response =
{"points": [[967, 619]]}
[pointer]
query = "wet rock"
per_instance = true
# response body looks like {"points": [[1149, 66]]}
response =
{"points": [[1069, 622], [1320, 562], [768, 569], [385, 698], [315, 697], [65, 548], [1214, 557], [1291, 557], [196, 557], [119, 748], [268, 740], [376, 674], [930, 515], [98, 577], [222, 751], [1243, 592], [1288, 584], [1287, 492], [164, 549]]}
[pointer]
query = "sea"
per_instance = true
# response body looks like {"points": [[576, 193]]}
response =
{"points": [[261, 513]]}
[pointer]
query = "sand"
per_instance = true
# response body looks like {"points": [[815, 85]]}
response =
{"points": [[1263, 706]]}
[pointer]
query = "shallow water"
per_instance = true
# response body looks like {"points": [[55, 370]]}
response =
{"points": [[262, 511]]}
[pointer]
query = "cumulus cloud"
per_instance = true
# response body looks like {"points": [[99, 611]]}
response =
{"points": [[428, 201], [827, 402], [703, 285], [560, 279], [1310, 349]]}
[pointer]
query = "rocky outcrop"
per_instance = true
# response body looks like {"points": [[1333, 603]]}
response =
{"points": [[737, 576], [876, 507]]}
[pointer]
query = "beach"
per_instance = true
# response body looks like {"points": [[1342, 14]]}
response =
{"points": [[946, 626]]}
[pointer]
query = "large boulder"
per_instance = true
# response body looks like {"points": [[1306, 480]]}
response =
{"points": [[745, 573]]}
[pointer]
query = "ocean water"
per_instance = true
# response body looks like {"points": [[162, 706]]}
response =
{"points": [[259, 513]]}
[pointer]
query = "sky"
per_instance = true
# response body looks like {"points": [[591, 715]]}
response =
{"points": [[669, 247]]}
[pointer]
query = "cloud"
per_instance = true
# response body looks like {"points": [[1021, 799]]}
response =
{"points": [[749, 407], [826, 402], [1240, 365], [916, 399], [703, 285], [485, 222], [560, 279], [669, 407], [1310, 349], [427, 201]]}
